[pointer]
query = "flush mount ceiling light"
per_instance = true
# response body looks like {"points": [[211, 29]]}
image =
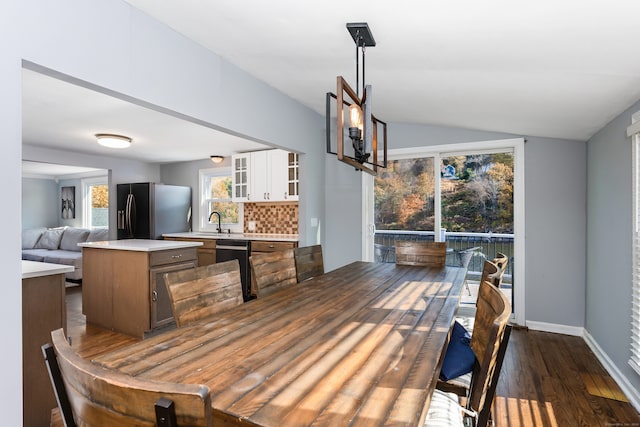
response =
{"points": [[348, 107], [113, 141], [217, 159]]}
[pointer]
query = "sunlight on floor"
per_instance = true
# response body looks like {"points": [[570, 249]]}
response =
{"points": [[523, 412]]}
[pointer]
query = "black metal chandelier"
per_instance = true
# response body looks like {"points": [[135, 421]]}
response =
{"points": [[347, 106]]}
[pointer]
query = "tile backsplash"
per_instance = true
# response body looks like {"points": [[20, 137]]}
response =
{"points": [[271, 218]]}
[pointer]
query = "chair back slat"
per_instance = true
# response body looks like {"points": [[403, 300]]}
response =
{"points": [[501, 261], [309, 262], [272, 271], [201, 292], [429, 254], [103, 397], [493, 311]]}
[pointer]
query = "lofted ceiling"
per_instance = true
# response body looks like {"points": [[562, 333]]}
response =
{"points": [[553, 68], [560, 69]]}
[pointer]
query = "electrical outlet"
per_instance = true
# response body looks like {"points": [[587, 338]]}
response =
{"points": [[252, 226]]}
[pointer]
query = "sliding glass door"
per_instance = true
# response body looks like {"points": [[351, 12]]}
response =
{"points": [[466, 195]]}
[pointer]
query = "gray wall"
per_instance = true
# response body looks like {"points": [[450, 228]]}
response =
{"points": [[609, 231], [40, 199]]}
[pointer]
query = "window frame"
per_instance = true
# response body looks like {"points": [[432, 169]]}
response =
{"points": [[634, 343], [203, 177], [87, 183]]}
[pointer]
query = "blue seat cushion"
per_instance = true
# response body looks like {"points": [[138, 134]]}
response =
{"points": [[459, 358]]}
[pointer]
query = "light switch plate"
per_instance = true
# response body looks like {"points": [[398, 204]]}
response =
{"points": [[252, 226]]}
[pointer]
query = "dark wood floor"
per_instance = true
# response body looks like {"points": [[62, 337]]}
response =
{"points": [[546, 380]]}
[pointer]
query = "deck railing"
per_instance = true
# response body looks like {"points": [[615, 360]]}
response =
{"points": [[489, 245]]}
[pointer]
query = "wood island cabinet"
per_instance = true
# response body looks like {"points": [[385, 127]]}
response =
{"points": [[124, 290], [206, 252], [43, 310]]}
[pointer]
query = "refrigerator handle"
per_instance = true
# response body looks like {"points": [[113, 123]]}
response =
{"points": [[130, 215]]}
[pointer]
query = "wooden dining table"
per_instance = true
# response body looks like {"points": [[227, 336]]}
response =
{"points": [[360, 345]]}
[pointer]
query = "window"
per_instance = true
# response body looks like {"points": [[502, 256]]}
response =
{"points": [[215, 196], [634, 132], [95, 200], [467, 194]]}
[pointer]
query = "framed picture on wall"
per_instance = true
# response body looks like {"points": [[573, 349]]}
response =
{"points": [[68, 207]]}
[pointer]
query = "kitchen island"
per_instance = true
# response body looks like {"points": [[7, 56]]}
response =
{"points": [[43, 310], [123, 287]]}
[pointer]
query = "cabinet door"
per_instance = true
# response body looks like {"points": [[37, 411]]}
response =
{"points": [[277, 163], [161, 312], [241, 177], [260, 179], [293, 178]]}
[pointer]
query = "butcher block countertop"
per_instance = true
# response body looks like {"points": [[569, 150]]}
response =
{"points": [[140, 245], [235, 236]]}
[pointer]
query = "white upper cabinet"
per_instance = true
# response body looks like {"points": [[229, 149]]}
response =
{"points": [[241, 177], [265, 176]]}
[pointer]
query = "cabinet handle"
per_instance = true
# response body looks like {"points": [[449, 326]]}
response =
{"points": [[176, 256], [154, 295], [272, 246]]}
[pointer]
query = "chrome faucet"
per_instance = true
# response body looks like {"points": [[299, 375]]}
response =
{"points": [[219, 225]]}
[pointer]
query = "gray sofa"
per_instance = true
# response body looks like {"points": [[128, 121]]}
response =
{"points": [[60, 246]]}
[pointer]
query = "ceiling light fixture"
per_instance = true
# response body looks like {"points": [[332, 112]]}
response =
{"points": [[364, 127], [217, 159], [113, 141]]}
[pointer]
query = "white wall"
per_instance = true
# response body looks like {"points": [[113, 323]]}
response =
{"points": [[11, 178]]}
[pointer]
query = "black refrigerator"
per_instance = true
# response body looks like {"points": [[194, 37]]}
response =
{"points": [[147, 210]]}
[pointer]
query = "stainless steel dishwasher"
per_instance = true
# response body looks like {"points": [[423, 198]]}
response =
{"points": [[228, 249]]}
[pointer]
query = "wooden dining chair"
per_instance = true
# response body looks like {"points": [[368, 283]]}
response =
{"points": [[272, 271], [201, 292], [429, 254], [90, 395], [489, 343], [309, 262]]}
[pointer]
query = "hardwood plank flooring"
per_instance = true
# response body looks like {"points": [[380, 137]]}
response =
{"points": [[545, 379]]}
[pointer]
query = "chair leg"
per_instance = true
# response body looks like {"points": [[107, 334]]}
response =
{"points": [[466, 285], [58, 384], [484, 416]]}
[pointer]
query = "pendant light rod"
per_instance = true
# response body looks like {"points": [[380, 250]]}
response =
{"points": [[362, 37]]}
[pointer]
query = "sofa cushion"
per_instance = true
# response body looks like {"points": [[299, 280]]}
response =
{"points": [[31, 236], [34, 254], [98, 235], [66, 258], [50, 239], [71, 237]]}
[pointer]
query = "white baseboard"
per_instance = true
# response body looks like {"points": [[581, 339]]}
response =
{"points": [[576, 331], [629, 390]]}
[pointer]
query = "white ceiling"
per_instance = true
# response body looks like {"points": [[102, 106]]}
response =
{"points": [[63, 115], [554, 68]]}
